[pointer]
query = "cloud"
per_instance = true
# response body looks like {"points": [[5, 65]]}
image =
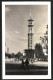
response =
{"points": [[22, 38], [16, 32], [7, 9]]}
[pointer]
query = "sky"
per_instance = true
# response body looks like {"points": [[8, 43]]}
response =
{"points": [[16, 25]]}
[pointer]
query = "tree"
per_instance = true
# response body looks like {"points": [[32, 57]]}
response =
{"points": [[9, 56], [39, 50], [44, 40], [12, 55], [18, 55]]}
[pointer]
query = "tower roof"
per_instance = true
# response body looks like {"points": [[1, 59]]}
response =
{"points": [[30, 16], [30, 19]]}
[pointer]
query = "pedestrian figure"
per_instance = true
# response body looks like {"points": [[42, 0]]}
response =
{"points": [[27, 64], [23, 65]]}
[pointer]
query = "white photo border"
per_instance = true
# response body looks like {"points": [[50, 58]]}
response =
{"points": [[49, 41]]}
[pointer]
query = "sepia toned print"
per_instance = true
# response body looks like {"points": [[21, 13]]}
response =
{"points": [[26, 40]]}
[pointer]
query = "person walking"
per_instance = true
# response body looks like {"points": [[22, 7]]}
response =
{"points": [[27, 64], [23, 65]]}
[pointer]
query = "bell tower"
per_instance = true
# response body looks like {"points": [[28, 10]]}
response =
{"points": [[30, 52], [30, 34]]}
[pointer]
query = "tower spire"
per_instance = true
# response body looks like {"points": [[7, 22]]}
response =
{"points": [[30, 13]]}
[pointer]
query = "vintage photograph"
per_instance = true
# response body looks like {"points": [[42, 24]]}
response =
{"points": [[27, 39]]}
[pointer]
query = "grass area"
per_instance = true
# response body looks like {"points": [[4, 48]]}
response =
{"points": [[34, 69], [18, 66]]}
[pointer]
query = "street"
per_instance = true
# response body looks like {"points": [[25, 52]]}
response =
{"points": [[36, 68]]}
